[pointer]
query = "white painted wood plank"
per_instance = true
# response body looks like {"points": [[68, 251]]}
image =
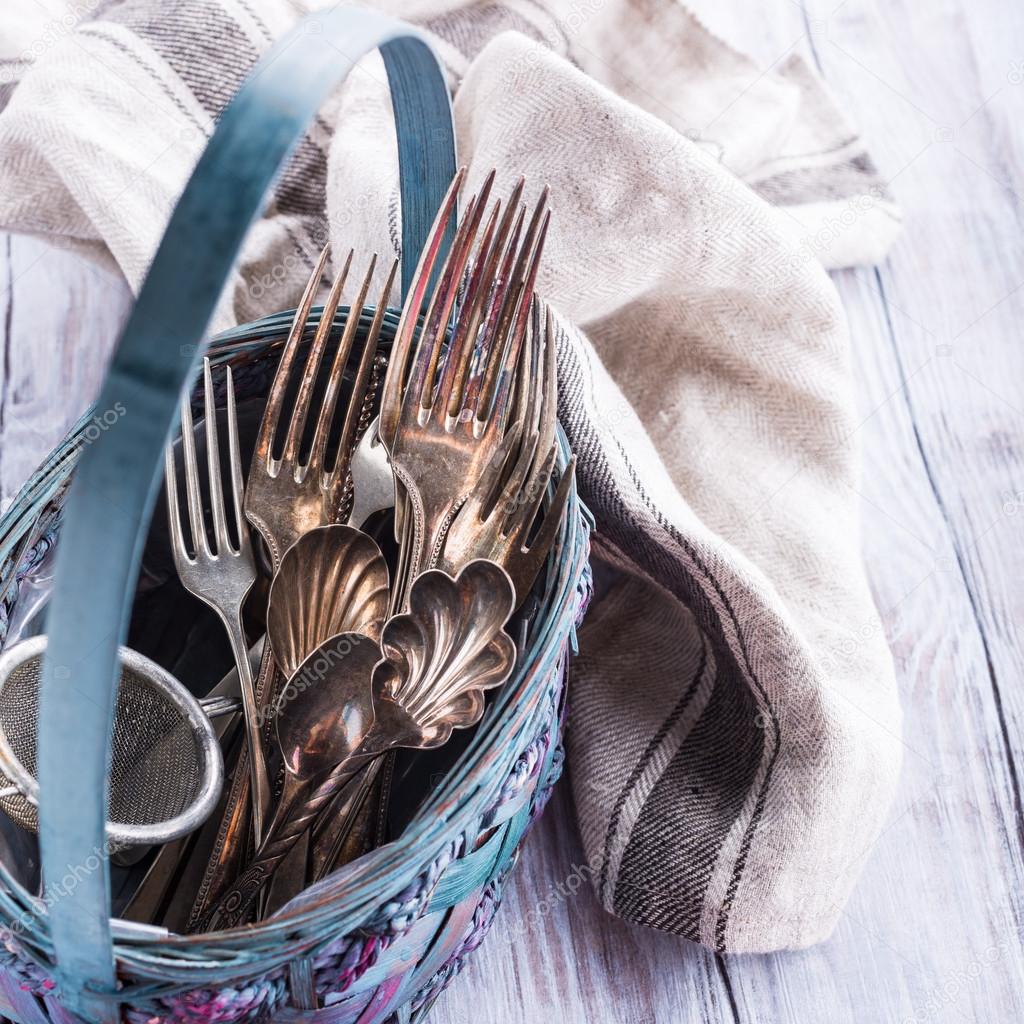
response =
{"points": [[555, 955], [61, 318], [933, 931], [929, 933]]}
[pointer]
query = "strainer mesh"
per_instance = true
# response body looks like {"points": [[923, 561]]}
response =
{"points": [[156, 763]]}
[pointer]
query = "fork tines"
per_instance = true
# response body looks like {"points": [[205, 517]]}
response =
{"points": [[221, 544], [466, 351], [310, 370]]}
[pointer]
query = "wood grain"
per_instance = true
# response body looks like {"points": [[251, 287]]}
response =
{"points": [[934, 931], [60, 316]]}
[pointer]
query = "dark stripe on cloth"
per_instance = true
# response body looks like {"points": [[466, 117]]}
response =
{"points": [[668, 862], [855, 176], [618, 521], [638, 770]]}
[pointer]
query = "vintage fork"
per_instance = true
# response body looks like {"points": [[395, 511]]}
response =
{"points": [[496, 519], [285, 496], [442, 437], [220, 573]]}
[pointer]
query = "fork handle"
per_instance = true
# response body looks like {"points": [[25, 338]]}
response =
{"points": [[232, 843], [259, 779]]}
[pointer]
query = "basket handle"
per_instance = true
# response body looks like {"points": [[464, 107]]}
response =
{"points": [[113, 490]]}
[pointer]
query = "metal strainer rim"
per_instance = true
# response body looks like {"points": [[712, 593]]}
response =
{"points": [[122, 833]]}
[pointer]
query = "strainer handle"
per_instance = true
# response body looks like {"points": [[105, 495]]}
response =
{"points": [[111, 497]]}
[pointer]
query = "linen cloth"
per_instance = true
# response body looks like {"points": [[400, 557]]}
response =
{"points": [[734, 726]]}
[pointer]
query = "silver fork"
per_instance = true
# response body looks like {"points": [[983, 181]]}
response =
{"points": [[286, 497], [497, 518], [220, 573], [442, 435]]}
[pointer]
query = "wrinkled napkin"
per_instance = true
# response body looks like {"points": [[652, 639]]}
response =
{"points": [[733, 717]]}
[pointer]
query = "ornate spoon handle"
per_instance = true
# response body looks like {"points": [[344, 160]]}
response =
{"points": [[295, 816]]}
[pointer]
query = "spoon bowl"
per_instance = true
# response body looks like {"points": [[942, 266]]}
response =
{"points": [[324, 711]]}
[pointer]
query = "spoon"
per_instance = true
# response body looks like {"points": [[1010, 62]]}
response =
{"points": [[373, 484], [332, 580], [439, 658]]}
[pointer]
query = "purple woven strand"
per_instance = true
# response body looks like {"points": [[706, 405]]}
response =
{"points": [[31, 559], [346, 959], [476, 932], [256, 1000], [28, 975]]}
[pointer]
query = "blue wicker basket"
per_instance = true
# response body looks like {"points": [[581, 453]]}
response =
{"points": [[378, 940]]}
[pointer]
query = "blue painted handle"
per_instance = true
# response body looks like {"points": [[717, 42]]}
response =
{"points": [[112, 494]]}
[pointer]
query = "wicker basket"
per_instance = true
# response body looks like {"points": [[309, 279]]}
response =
{"points": [[378, 940]]}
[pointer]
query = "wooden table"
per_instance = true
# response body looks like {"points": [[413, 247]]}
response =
{"points": [[933, 932]]}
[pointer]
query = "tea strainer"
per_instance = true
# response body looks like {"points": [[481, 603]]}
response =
{"points": [[166, 768]]}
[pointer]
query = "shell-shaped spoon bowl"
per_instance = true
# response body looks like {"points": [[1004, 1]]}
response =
{"points": [[440, 656], [332, 580]]}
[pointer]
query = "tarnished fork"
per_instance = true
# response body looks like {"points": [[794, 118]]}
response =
{"points": [[286, 496], [446, 406], [496, 521]]}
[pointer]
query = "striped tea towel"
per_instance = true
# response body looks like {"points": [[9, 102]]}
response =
{"points": [[733, 710]]}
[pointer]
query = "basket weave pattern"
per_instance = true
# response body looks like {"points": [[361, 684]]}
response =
{"points": [[409, 915]]}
